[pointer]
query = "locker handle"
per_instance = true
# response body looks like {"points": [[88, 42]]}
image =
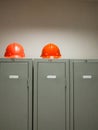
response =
{"points": [[87, 76], [51, 76]]}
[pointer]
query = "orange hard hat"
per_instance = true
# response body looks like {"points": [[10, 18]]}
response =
{"points": [[14, 50], [50, 50]]}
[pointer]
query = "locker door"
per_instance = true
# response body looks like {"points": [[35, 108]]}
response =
{"points": [[85, 95], [51, 96], [13, 96]]}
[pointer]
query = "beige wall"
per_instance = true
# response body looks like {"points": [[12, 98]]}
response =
{"points": [[73, 26]]}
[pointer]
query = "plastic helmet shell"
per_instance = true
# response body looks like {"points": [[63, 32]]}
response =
{"points": [[50, 51], [14, 50]]}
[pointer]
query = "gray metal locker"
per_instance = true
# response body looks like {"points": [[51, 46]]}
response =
{"points": [[84, 95], [51, 94], [15, 94]]}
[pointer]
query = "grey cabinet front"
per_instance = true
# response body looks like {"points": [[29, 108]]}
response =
{"points": [[15, 96], [50, 96], [84, 95]]}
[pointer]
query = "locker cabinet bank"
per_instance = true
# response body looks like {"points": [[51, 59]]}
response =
{"points": [[65, 94]]}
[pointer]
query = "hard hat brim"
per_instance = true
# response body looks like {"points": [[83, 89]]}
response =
{"points": [[14, 56], [50, 57]]}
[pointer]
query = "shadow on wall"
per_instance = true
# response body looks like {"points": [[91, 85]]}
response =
{"points": [[34, 23], [48, 14]]}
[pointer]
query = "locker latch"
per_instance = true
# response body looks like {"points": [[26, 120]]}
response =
{"points": [[27, 83]]}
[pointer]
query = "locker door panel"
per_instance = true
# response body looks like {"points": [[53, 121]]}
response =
{"points": [[51, 96], [85, 96], [13, 96]]}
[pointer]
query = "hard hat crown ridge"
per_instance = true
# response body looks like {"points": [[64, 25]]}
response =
{"points": [[14, 50], [50, 50]]}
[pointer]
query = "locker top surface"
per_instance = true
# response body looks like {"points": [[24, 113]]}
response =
{"points": [[84, 60], [50, 60], [14, 59]]}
